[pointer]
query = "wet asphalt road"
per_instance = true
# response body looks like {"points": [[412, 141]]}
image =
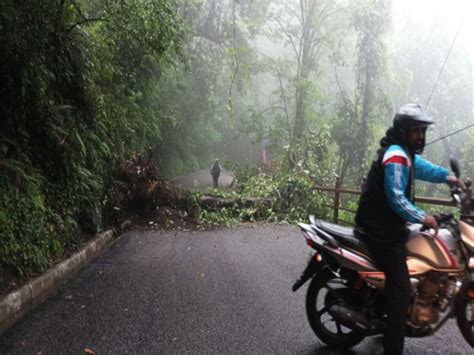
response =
{"points": [[222, 291]]}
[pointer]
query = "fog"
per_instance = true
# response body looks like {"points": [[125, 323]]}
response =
{"points": [[435, 26], [423, 53]]}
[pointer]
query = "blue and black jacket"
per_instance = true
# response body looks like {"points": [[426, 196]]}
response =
{"points": [[387, 198]]}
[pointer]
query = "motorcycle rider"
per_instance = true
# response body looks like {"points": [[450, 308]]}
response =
{"points": [[386, 204]]}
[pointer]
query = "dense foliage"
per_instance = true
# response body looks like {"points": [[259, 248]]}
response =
{"points": [[77, 86]]}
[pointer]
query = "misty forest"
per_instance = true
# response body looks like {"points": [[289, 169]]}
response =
{"points": [[105, 102]]}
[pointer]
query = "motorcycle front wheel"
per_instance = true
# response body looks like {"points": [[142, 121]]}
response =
{"points": [[464, 310], [326, 328]]}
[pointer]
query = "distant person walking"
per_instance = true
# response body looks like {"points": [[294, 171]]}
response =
{"points": [[215, 172]]}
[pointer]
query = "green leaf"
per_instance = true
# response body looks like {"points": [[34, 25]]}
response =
{"points": [[81, 144]]}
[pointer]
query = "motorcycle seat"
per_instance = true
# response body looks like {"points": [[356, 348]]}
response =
{"points": [[344, 235]]}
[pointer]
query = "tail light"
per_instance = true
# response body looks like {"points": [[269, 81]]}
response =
{"points": [[310, 243]]}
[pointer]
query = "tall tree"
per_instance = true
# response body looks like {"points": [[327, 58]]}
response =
{"points": [[357, 112], [307, 28]]}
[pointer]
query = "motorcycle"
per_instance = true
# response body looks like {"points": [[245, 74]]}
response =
{"points": [[345, 302]]}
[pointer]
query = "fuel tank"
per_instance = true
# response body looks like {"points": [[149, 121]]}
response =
{"points": [[467, 234], [426, 251]]}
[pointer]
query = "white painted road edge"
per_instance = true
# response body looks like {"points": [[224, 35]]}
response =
{"points": [[16, 304]]}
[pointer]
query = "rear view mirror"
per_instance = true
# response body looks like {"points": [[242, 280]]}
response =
{"points": [[455, 167]]}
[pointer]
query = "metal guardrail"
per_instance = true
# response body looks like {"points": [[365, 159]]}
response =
{"points": [[338, 190]]}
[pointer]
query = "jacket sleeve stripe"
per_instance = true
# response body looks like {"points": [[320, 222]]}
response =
{"points": [[396, 160], [395, 151]]}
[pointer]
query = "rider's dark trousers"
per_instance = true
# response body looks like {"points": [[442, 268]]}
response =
{"points": [[391, 255]]}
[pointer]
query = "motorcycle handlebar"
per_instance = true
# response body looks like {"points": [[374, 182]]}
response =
{"points": [[441, 218], [457, 195]]}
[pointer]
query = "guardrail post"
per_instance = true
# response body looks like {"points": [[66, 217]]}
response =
{"points": [[466, 208], [337, 199]]}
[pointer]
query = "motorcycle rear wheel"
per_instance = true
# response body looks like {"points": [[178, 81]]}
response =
{"points": [[318, 302]]}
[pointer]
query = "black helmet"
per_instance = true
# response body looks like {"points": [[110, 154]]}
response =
{"points": [[407, 117], [411, 115]]}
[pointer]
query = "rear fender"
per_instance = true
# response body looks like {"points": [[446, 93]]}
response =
{"points": [[315, 264]]}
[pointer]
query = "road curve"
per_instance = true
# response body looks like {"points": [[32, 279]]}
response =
{"points": [[202, 180]]}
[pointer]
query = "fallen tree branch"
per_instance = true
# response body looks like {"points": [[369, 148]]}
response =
{"points": [[212, 202]]}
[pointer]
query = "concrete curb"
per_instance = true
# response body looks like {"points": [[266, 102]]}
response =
{"points": [[16, 304]]}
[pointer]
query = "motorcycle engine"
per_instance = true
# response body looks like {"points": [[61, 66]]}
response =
{"points": [[424, 314], [429, 299]]}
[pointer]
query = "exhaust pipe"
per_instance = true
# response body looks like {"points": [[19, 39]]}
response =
{"points": [[355, 320]]}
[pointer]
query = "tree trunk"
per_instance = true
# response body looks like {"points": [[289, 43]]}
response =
{"points": [[211, 202]]}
